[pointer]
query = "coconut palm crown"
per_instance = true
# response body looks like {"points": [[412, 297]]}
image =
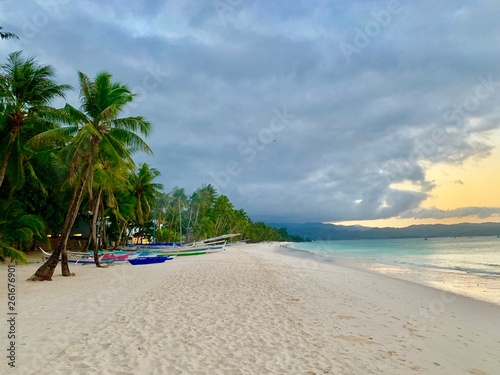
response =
{"points": [[26, 89]]}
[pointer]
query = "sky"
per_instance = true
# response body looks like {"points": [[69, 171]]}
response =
{"points": [[379, 113]]}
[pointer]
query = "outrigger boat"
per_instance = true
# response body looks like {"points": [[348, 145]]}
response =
{"points": [[147, 259], [210, 245], [88, 258], [78, 257], [182, 253], [111, 257]]}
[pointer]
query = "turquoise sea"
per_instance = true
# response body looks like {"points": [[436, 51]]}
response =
{"points": [[474, 255]]}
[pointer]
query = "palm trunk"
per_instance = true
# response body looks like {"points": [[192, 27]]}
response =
{"points": [[197, 213], [5, 161], [46, 271], [189, 222], [102, 229], [120, 236], [93, 227], [171, 226]]}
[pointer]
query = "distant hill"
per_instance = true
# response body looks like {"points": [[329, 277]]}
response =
{"points": [[321, 231]]}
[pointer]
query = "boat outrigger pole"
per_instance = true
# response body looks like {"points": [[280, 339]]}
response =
{"points": [[154, 226], [180, 223]]}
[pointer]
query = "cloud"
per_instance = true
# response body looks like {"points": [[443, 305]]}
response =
{"points": [[423, 90], [436, 213]]}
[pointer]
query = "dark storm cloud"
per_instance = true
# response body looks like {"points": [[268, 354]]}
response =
{"points": [[262, 100]]}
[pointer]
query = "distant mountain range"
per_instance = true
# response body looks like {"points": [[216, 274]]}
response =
{"points": [[321, 231]]}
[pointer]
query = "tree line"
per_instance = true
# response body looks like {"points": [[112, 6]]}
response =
{"points": [[59, 165]]}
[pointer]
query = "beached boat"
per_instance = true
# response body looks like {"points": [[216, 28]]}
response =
{"points": [[182, 253], [112, 257], [148, 259], [210, 245], [128, 248], [197, 249], [77, 257], [157, 246], [88, 258]]}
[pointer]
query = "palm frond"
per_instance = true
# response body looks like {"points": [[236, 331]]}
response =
{"points": [[52, 137], [7, 35], [8, 251], [131, 140], [135, 124]]}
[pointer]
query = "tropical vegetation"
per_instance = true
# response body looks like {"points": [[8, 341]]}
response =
{"points": [[74, 164]]}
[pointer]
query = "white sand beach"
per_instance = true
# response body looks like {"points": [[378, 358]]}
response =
{"points": [[252, 309]]}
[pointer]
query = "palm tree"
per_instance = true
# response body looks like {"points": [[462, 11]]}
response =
{"points": [[240, 222], [121, 213], [160, 208], [194, 206], [26, 89], [109, 176], [145, 192], [204, 200], [97, 133], [222, 214], [178, 201]]}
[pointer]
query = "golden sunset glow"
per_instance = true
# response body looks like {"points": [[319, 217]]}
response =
{"points": [[476, 183]]}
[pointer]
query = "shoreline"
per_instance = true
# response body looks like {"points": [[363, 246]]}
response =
{"points": [[249, 309], [485, 288]]}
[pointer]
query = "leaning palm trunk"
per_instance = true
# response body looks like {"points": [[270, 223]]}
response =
{"points": [[104, 236], [189, 223], [92, 243], [93, 229], [5, 161], [123, 236], [102, 228], [46, 271], [120, 241]]}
